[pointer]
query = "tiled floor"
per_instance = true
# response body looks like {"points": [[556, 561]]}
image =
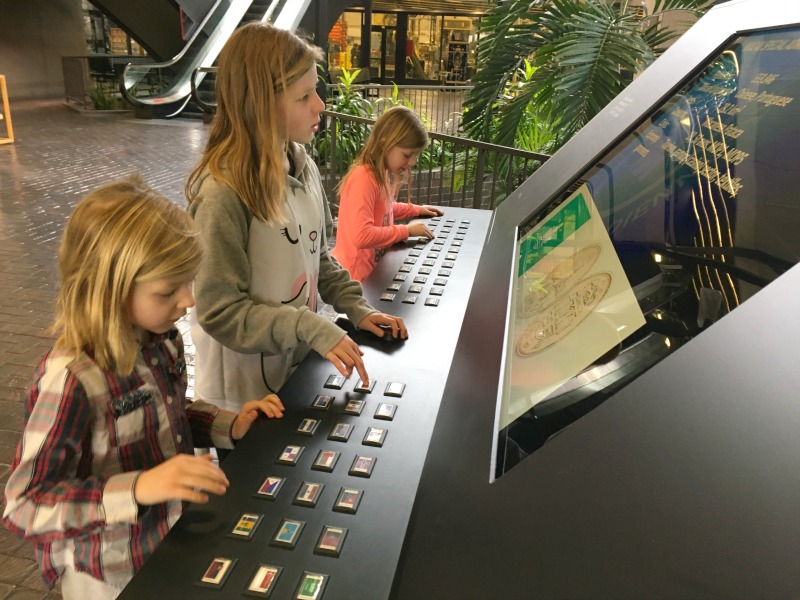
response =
{"points": [[59, 155]]}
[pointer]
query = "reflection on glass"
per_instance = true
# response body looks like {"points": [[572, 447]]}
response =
{"points": [[699, 206]]}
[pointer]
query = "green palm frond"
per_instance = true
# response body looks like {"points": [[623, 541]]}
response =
{"points": [[584, 54]]}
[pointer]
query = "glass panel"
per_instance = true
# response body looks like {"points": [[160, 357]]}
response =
{"points": [[687, 217], [376, 44], [422, 47]]}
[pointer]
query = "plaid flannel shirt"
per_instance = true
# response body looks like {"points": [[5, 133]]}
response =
{"points": [[88, 435]]}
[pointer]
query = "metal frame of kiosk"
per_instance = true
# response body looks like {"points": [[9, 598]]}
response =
{"points": [[683, 484]]}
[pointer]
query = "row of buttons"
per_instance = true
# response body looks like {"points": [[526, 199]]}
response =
{"points": [[427, 265]]}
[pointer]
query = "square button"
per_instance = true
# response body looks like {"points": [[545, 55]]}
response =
{"points": [[354, 407], [322, 402], [450, 220], [325, 461], [415, 253], [375, 436], [428, 262], [362, 466], [399, 277], [444, 272], [307, 426], [393, 287], [290, 455], [395, 389], [414, 289], [467, 221], [448, 264], [436, 291], [440, 281], [450, 256], [431, 301], [387, 297], [410, 299], [340, 432], [308, 494], [364, 389], [405, 269], [385, 411], [433, 254], [334, 382], [424, 270], [420, 279], [410, 260], [453, 250]]}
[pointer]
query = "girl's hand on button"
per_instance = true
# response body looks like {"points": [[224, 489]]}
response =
{"points": [[345, 356], [430, 211], [270, 405], [419, 230], [379, 323]]}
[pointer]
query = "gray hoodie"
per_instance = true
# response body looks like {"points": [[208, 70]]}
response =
{"points": [[256, 291]]}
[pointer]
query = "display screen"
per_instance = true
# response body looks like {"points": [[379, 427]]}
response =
{"points": [[684, 219]]}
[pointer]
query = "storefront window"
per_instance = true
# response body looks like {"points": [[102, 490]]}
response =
{"points": [[344, 42], [423, 52]]}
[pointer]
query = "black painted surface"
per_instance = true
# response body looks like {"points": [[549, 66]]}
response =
{"points": [[369, 557], [683, 485]]}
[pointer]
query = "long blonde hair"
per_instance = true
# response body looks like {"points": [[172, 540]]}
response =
{"points": [[121, 234], [398, 126], [258, 63]]}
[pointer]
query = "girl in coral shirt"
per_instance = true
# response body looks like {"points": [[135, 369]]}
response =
{"points": [[368, 207]]}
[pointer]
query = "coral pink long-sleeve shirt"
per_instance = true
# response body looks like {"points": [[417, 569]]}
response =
{"points": [[366, 223]]}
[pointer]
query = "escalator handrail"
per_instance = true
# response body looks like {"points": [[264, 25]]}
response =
{"points": [[181, 88]]}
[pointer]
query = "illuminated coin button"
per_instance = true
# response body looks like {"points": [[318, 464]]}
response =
{"points": [[444, 273], [420, 279], [448, 264], [394, 287], [415, 253], [414, 289], [395, 389], [439, 281], [410, 299], [399, 277], [428, 262], [436, 291], [334, 382], [405, 269], [450, 256], [430, 301], [387, 297], [425, 271], [364, 389], [410, 260]]}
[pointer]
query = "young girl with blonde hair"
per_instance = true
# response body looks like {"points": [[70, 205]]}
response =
{"points": [[258, 200], [106, 456], [369, 191]]}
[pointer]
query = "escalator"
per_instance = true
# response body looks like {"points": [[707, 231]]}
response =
{"points": [[163, 90]]}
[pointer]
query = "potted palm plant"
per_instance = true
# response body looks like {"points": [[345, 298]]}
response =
{"points": [[578, 55]]}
